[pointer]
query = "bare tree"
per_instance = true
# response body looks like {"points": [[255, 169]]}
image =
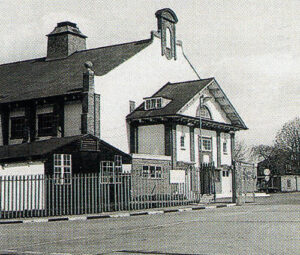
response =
{"points": [[288, 142], [240, 151], [263, 152]]}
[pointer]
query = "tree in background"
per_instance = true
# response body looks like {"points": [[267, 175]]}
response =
{"points": [[241, 151], [284, 156], [287, 141]]}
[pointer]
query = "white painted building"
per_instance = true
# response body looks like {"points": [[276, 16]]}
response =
{"points": [[168, 124]]}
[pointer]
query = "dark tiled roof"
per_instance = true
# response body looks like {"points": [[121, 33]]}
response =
{"points": [[39, 78], [40, 148], [33, 149], [180, 93]]}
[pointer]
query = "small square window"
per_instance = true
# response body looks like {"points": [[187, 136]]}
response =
{"points": [[206, 144], [145, 172]]}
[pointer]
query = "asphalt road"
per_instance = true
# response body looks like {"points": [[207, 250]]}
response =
{"points": [[272, 226]]}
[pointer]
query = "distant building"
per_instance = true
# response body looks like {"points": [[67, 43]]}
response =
{"points": [[283, 177]]}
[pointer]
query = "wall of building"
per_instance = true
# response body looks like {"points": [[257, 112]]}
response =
{"points": [[290, 183], [209, 134], [183, 153], [225, 157], [151, 139], [72, 116], [20, 185], [147, 186], [138, 77]]}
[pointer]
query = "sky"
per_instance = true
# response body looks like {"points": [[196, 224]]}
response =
{"points": [[251, 47]]}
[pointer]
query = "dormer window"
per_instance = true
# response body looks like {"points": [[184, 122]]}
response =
{"points": [[153, 103]]}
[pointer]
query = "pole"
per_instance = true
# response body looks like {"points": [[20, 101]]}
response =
{"points": [[200, 146]]}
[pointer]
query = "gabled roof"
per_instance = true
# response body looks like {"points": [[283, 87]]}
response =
{"points": [[38, 149], [181, 93], [38, 78]]}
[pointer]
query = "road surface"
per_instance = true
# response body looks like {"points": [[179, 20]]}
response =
{"points": [[271, 226]]}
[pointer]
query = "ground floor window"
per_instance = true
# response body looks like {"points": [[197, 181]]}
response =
{"points": [[226, 173], [152, 172], [62, 168]]}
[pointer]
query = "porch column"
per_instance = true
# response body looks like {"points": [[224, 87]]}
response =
{"points": [[234, 180], [170, 142], [218, 149], [192, 144]]}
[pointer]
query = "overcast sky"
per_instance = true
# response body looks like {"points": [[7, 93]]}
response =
{"points": [[252, 48]]}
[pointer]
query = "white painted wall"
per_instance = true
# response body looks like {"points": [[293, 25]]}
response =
{"points": [[216, 112], [151, 139], [183, 153], [205, 133], [139, 77], [22, 169], [72, 112], [22, 186], [225, 158]]}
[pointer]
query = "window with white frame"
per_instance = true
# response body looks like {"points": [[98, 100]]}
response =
{"points": [[118, 163], [153, 172], [153, 103], [107, 167], [62, 168], [206, 144]]}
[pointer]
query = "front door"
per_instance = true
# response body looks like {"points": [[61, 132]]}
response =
{"points": [[226, 178], [206, 167]]}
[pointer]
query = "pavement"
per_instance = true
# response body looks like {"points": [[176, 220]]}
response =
{"points": [[119, 214], [271, 225]]}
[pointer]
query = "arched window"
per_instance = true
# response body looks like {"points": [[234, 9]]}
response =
{"points": [[205, 113], [168, 38]]}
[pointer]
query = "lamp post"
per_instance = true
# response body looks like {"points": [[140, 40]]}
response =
{"points": [[202, 101]]}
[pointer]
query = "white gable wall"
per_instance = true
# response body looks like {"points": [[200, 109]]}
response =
{"points": [[217, 113], [138, 77]]}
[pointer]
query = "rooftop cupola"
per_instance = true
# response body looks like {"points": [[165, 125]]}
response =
{"points": [[166, 20], [64, 40]]}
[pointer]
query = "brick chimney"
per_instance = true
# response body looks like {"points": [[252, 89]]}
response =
{"points": [[64, 40]]}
